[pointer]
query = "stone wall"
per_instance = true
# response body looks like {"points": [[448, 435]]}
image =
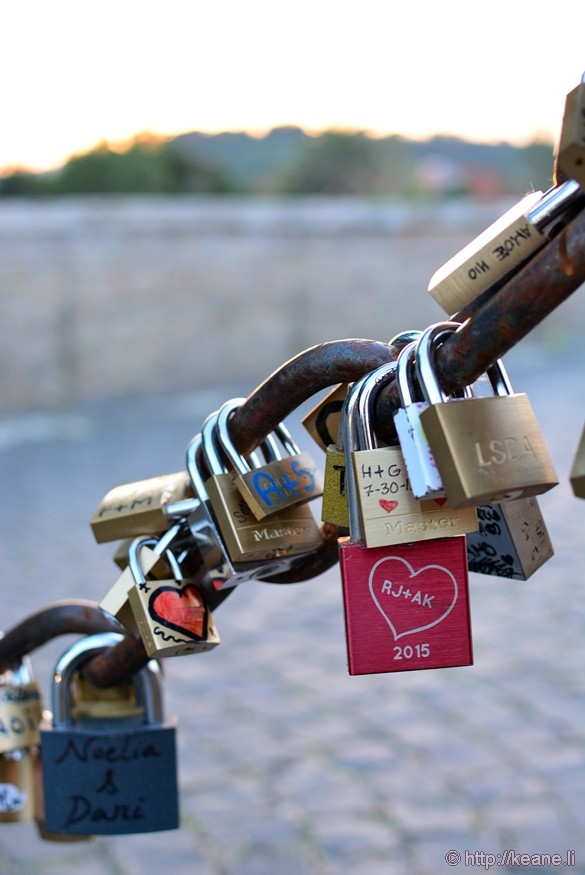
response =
{"points": [[108, 297]]}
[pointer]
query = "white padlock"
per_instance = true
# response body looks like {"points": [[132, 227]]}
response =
{"points": [[423, 474]]}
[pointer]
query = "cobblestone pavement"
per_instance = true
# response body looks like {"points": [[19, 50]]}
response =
{"points": [[288, 766]]}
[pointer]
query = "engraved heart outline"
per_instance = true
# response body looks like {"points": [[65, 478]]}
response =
{"points": [[168, 623], [412, 575]]}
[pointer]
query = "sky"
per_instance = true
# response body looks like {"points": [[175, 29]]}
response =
{"points": [[75, 74]]}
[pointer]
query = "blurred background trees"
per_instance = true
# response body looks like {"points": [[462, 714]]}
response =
{"points": [[288, 161]]}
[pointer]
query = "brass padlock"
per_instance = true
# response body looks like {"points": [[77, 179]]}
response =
{"points": [[502, 248], [322, 422], [283, 482], [171, 614], [21, 712], [212, 544], [570, 153], [578, 469], [334, 507], [134, 509], [289, 532], [487, 449]]}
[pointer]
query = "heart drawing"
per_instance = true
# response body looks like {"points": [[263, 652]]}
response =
{"points": [[411, 601], [180, 609], [388, 504]]}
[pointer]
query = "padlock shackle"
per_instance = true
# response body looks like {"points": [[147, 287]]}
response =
{"points": [[147, 682], [269, 444], [403, 372], [160, 546], [356, 426], [425, 361], [194, 448]]}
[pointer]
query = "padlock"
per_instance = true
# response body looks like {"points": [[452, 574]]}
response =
{"points": [[570, 153], [334, 507], [322, 422], [286, 533], [116, 601], [135, 509], [423, 474], [487, 449], [577, 475], [512, 540], [171, 614], [111, 775], [389, 511], [21, 712], [406, 606], [212, 543], [282, 483], [501, 249]]}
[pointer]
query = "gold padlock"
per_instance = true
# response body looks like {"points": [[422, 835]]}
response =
{"points": [[334, 506], [291, 532], [322, 422], [20, 715], [487, 449], [134, 509], [578, 469], [502, 248], [283, 481], [570, 153], [171, 614]]}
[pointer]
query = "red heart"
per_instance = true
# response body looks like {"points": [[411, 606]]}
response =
{"points": [[410, 600], [441, 501], [179, 609], [388, 505]]}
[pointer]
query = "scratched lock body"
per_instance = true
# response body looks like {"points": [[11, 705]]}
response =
{"points": [[288, 479], [406, 606], [486, 448], [108, 776], [512, 540]]}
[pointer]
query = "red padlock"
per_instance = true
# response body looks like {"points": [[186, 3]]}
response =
{"points": [[406, 606]]}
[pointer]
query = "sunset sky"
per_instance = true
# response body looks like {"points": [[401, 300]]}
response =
{"points": [[74, 74]]}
